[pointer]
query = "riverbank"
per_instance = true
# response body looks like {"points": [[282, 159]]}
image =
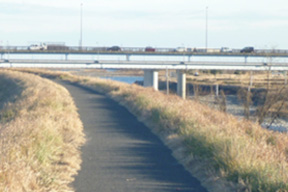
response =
{"points": [[203, 89], [225, 154], [40, 134]]}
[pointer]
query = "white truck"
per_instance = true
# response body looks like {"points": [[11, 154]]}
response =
{"points": [[41, 46]]}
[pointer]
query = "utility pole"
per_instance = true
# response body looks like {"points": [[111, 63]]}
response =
{"points": [[80, 41], [206, 34]]}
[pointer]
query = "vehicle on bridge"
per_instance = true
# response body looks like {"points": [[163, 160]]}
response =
{"points": [[150, 49], [57, 47], [114, 48], [247, 50], [226, 50], [180, 49], [41, 46]]}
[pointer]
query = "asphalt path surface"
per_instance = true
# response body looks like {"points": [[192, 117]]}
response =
{"points": [[121, 154]]}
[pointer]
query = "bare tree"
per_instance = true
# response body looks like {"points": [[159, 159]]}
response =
{"points": [[274, 99]]}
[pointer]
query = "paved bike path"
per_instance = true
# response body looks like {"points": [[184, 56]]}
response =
{"points": [[121, 154]]}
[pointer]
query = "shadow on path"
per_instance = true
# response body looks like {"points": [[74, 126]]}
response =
{"points": [[121, 154]]}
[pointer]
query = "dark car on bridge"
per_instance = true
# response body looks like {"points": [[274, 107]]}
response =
{"points": [[247, 50], [114, 48], [149, 49]]}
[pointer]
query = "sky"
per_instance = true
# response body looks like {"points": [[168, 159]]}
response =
{"points": [[157, 23]]}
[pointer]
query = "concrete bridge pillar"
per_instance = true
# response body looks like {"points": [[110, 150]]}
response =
{"points": [[181, 84], [151, 79], [66, 56]]}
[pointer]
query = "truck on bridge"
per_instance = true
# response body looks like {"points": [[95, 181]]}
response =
{"points": [[48, 46], [41, 46]]}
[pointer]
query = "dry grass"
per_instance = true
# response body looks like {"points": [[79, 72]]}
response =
{"points": [[40, 133], [259, 79], [224, 153]]}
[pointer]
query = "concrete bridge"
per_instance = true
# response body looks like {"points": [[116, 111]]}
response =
{"points": [[151, 63]]}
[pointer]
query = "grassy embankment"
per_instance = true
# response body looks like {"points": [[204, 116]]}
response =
{"points": [[213, 146], [40, 134]]}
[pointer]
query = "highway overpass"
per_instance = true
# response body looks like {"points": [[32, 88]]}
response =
{"points": [[144, 51], [150, 62]]}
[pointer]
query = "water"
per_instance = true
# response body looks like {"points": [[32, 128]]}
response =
{"points": [[109, 74], [124, 79]]}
